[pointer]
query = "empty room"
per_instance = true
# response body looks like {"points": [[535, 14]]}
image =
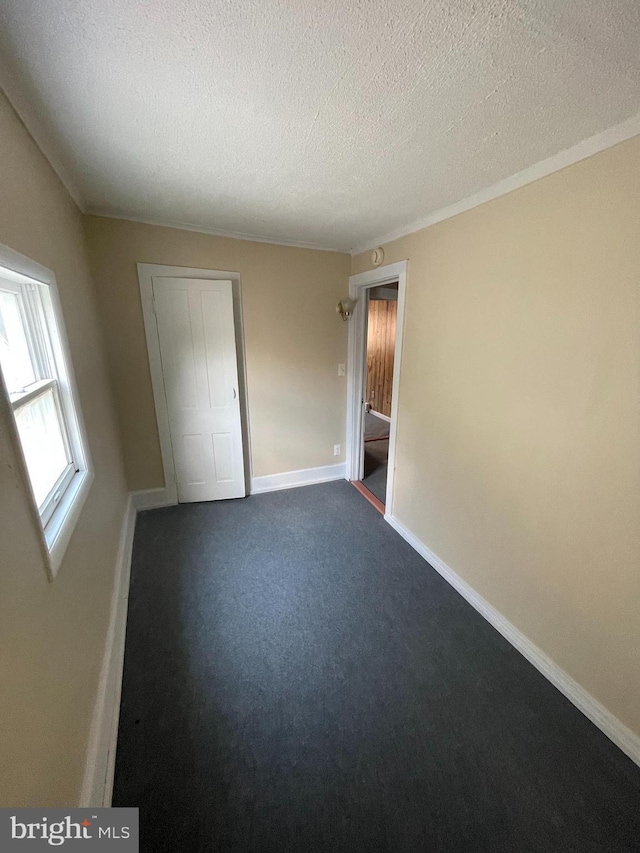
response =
{"points": [[320, 426]]}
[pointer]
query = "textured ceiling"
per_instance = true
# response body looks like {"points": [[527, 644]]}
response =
{"points": [[326, 123]]}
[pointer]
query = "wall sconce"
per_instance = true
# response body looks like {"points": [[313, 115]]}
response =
{"points": [[377, 256], [345, 308]]}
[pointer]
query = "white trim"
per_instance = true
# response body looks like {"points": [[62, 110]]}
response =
{"points": [[55, 536], [586, 148], [31, 118], [610, 725], [379, 415], [146, 273], [97, 784], [356, 362], [291, 479], [152, 499], [580, 151], [62, 523], [21, 269], [213, 232], [21, 398]]}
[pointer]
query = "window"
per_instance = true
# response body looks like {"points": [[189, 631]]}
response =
{"points": [[39, 384]]}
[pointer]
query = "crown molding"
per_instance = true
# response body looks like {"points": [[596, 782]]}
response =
{"points": [[52, 151], [581, 151], [23, 107], [232, 235]]}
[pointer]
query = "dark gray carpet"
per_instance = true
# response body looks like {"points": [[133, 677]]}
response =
{"points": [[376, 454], [298, 680], [375, 427]]}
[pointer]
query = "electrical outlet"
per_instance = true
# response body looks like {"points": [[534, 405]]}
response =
{"points": [[341, 368], [337, 450]]}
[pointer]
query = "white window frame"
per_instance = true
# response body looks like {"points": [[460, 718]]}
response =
{"points": [[58, 517]]}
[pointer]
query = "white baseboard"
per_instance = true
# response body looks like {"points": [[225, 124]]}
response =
{"points": [[98, 778], [153, 499], [97, 785], [610, 725], [291, 479], [380, 415]]}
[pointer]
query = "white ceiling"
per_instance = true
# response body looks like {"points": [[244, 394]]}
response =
{"points": [[326, 123]]}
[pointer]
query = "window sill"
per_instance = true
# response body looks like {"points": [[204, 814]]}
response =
{"points": [[60, 527]]}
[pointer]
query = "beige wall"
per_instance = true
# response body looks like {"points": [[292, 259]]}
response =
{"points": [[294, 341], [518, 457], [52, 634], [519, 424]]}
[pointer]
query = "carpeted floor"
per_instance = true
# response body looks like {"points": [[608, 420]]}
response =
{"points": [[375, 427], [298, 680], [376, 455]]}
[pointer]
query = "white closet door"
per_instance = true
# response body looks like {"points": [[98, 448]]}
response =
{"points": [[200, 370]]}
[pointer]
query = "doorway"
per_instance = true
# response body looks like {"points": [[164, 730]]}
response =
{"points": [[375, 344], [380, 348], [193, 326]]}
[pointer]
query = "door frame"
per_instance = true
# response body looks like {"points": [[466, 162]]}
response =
{"points": [[357, 363], [168, 495]]}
